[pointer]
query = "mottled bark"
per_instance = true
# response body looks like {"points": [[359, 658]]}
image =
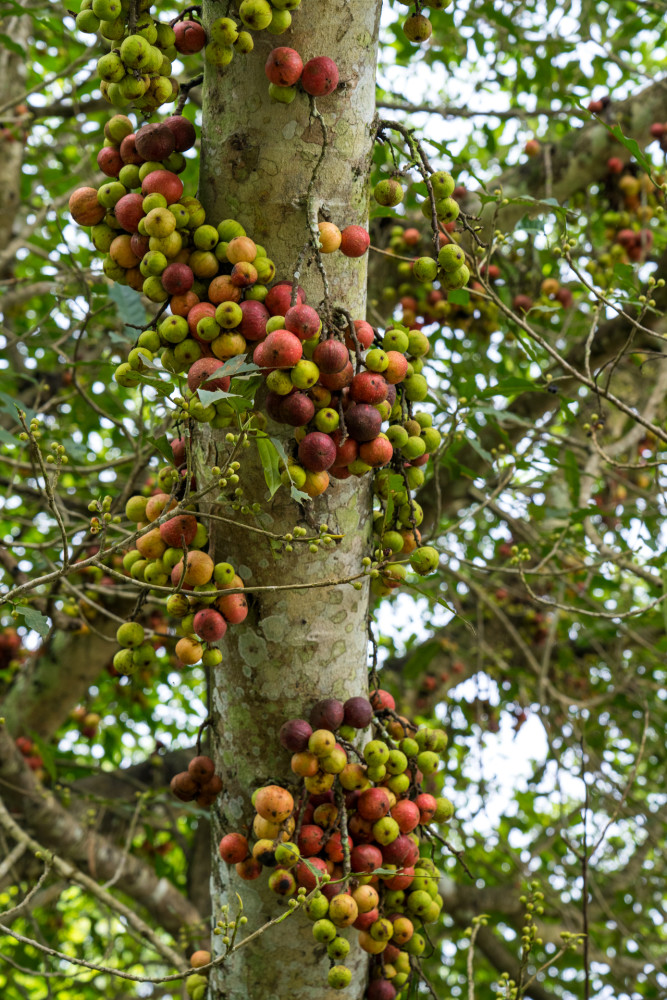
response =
{"points": [[55, 681], [580, 158], [12, 85], [296, 646]]}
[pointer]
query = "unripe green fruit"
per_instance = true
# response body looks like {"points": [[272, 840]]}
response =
{"points": [[396, 762], [376, 752], [205, 238], [130, 88], [425, 560], [431, 438], [425, 269], [281, 21], [359, 467], [195, 982], [175, 162], [211, 657], [224, 31], [416, 388], [151, 201], [135, 52], [113, 31], [397, 435], [296, 476], [447, 209], [87, 22], [396, 340], [415, 477], [244, 43], [229, 229], [418, 343], [173, 329], [324, 931], [392, 540], [106, 10], [128, 176], [102, 237], [130, 558], [456, 279], [411, 511], [413, 448], [266, 270], [305, 374], [444, 810], [418, 902], [177, 604], [409, 747], [152, 288], [280, 382], [376, 360], [451, 257], [129, 634], [143, 656], [327, 420], [208, 329], [282, 95], [166, 36], [398, 783], [201, 413], [256, 14], [180, 214], [110, 68], [388, 193], [317, 907], [443, 184], [386, 830], [339, 977], [218, 55], [223, 574], [428, 762], [123, 662], [125, 376], [287, 854], [153, 264], [417, 28], [137, 358], [110, 193], [394, 899], [338, 949]]}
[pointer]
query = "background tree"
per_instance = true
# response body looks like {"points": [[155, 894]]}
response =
{"points": [[544, 628]]}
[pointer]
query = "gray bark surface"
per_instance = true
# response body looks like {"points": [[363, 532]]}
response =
{"points": [[296, 646]]}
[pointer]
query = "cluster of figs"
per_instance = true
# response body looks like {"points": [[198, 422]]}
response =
{"points": [[345, 839], [207, 596]]}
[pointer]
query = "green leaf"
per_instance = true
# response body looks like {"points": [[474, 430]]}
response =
{"points": [[270, 460], [459, 296], [632, 146], [163, 446], [510, 387], [34, 619], [130, 307], [9, 43]]}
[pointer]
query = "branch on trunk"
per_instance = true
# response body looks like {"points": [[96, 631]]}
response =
{"points": [[42, 815]]}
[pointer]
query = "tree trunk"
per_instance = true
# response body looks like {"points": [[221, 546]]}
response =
{"points": [[296, 646]]}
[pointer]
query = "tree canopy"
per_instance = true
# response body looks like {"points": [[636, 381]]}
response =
{"points": [[538, 644]]}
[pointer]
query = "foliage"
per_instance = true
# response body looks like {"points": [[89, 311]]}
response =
{"points": [[540, 644]]}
